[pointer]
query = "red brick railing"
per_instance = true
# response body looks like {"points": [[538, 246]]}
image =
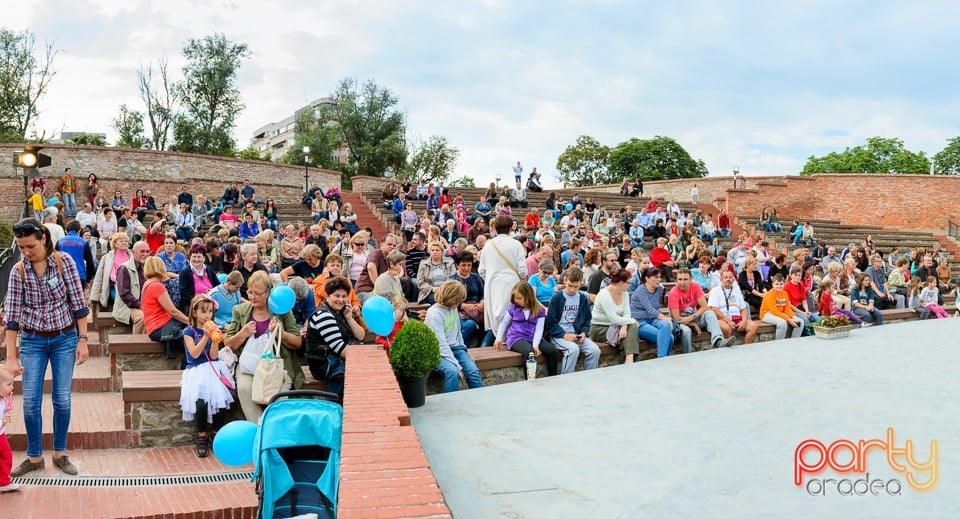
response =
{"points": [[383, 469]]}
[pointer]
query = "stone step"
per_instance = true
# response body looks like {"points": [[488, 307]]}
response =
{"points": [[225, 499], [93, 376], [96, 422]]}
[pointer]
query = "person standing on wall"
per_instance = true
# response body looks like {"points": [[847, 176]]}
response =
{"points": [[46, 311], [68, 189]]}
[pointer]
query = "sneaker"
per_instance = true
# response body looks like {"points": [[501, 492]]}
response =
{"points": [[12, 487], [202, 450], [717, 342], [26, 467], [63, 463], [865, 324], [726, 343]]}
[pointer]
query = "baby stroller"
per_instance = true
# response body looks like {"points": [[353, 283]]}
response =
{"points": [[297, 455]]}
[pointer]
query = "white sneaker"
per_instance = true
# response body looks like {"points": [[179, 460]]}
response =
{"points": [[12, 487], [865, 324]]}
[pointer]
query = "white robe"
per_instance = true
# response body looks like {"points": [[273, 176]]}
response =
{"points": [[499, 277]]}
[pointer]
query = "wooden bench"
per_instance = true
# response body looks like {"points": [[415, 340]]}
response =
{"points": [[164, 385]]}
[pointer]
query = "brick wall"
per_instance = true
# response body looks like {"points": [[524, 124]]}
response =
{"points": [[160, 171], [709, 188], [383, 470], [910, 202]]}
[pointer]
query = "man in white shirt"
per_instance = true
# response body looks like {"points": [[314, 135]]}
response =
{"points": [[733, 313], [86, 217]]}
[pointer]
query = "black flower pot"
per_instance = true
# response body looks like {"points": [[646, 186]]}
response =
{"points": [[414, 391]]}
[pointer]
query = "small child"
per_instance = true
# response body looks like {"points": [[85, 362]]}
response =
{"points": [[775, 309], [6, 406], [226, 295], [522, 327], [828, 307], [443, 319], [36, 201], [204, 390], [913, 298], [929, 297], [400, 316]]}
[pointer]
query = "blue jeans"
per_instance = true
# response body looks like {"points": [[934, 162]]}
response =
{"points": [[61, 353], [488, 339], [724, 233], [273, 224], [451, 375], [468, 328], [659, 332], [70, 204]]}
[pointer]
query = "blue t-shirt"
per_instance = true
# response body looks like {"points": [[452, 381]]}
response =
{"points": [[544, 290], [196, 334]]}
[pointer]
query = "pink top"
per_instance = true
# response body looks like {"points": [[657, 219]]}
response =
{"points": [[200, 283], [120, 256]]}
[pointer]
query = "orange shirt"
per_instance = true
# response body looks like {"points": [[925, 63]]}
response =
{"points": [[776, 302], [320, 294]]}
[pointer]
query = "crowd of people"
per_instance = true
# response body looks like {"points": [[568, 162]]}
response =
{"points": [[556, 283]]}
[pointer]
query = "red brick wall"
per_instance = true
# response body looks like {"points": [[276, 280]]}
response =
{"points": [[383, 469], [160, 171], [912, 202]]}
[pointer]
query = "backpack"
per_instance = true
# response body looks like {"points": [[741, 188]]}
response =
{"points": [[56, 257]]}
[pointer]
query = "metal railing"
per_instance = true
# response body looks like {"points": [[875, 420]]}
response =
{"points": [[953, 230]]}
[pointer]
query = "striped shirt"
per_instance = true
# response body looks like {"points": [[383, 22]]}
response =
{"points": [[323, 331], [45, 303]]}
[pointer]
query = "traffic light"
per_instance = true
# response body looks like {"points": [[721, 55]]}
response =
{"points": [[31, 158]]}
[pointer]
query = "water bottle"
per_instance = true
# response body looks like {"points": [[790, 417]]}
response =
{"points": [[213, 331], [531, 366]]}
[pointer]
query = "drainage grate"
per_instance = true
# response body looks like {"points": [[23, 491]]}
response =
{"points": [[135, 481]]}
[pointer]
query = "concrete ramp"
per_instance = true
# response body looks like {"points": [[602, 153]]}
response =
{"points": [[712, 434]]}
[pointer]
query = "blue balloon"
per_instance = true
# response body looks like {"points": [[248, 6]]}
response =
{"points": [[233, 444], [378, 315], [569, 207], [281, 299], [222, 278]]}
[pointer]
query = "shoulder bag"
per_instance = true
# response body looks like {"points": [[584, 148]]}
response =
{"points": [[270, 376]]}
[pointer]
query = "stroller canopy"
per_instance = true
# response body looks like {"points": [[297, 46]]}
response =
{"points": [[296, 423]]}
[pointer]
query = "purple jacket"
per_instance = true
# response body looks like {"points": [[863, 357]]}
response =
{"points": [[521, 328]]}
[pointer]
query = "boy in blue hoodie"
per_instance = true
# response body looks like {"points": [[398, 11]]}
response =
{"points": [[568, 323]]}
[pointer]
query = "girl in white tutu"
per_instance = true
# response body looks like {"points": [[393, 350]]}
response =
{"points": [[206, 382]]}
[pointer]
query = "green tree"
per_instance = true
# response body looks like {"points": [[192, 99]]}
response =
{"points": [[87, 139], [160, 101], [251, 153], [584, 163], [315, 128], [652, 159], [430, 161], [209, 96], [25, 76], [129, 126], [370, 127], [947, 160], [463, 181], [878, 155]]}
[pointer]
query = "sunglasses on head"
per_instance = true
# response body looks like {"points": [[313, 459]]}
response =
{"points": [[24, 229]]}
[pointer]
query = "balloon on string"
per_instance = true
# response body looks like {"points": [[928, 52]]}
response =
{"points": [[282, 299], [233, 444], [222, 278], [378, 315]]}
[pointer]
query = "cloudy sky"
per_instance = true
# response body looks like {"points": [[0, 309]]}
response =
{"points": [[762, 85]]}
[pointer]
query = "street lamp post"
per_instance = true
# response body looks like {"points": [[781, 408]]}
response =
{"points": [[736, 175], [498, 181], [306, 170]]}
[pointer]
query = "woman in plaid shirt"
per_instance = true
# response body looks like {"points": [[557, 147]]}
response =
{"points": [[46, 308]]}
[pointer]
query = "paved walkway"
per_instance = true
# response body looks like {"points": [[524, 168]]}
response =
{"points": [[711, 434]]}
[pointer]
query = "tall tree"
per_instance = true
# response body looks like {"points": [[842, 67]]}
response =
{"points": [[430, 161], [653, 159], [129, 126], [584, 163], [160, 102], [947, 160], [209, 96], [878, 155], [25, 76], [463, 181], [370, 126], [315, 128]]}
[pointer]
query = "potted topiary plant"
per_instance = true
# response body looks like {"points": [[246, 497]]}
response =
{"points": [[413, 355]]}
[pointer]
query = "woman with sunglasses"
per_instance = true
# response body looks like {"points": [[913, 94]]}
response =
{"points": [[47, 314]]}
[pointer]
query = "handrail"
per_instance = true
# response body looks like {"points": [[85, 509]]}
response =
{"points": [[953, 230]]}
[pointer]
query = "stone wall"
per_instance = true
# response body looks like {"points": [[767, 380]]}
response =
{"points": [[710, 189], [162, 172], [909, 202]]}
